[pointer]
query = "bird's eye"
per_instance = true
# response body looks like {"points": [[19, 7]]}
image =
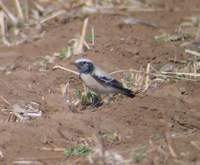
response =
{"points": [[85, 63]]}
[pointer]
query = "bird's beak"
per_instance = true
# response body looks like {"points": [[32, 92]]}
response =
{"points": [[75, 64]]}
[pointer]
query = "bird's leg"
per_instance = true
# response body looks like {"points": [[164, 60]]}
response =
{"points": [[96, 100]]}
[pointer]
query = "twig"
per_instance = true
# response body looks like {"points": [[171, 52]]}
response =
{"points": [[51, 149], [168, 139], [34, 160], [19, 9], [60, 132], [10, 15], [134, 21], [169, 144], [192, 52], [119, 71], [19, 116], [64, 90], [147, 77], [3, 28], [93, 36], [26, 162], [26, 9], [67, 97], [66, 69], [5, 100], [195, 67], [126, 70], [153, 74], [130, 8], [182, 74], [11, 117], [38, 6], [52, 16], [163, 74], [86, 44], [82, 38], [195, 144], [1, 155]]}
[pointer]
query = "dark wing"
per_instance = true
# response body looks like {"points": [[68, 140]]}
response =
{"points": [[110, 82]]}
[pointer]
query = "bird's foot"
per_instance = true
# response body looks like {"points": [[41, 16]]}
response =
{"points": [[96, 101]]}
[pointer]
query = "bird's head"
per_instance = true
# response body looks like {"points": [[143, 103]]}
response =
{"points": [[84, 65]]}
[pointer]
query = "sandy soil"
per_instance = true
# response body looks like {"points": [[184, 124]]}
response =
{"points": [[138, 121]]}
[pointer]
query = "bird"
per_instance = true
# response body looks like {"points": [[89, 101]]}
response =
{"points": [[99, 81]]}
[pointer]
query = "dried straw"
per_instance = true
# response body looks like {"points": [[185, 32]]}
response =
{"points": [[10, 15]]}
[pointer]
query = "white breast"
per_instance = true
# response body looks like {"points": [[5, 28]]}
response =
{"points": [[95, 86]]}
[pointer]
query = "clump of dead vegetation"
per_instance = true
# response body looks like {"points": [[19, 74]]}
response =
{"points": [[79, 44], [187, 33], [23, 21], [21, 112]]}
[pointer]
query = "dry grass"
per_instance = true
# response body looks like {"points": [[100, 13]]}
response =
{"points": [[30, 16], [79, 44]]}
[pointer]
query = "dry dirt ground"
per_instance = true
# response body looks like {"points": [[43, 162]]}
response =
{"points": [[172, 108]]}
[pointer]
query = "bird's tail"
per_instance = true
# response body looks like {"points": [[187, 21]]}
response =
{"points": [[127, 92]]}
